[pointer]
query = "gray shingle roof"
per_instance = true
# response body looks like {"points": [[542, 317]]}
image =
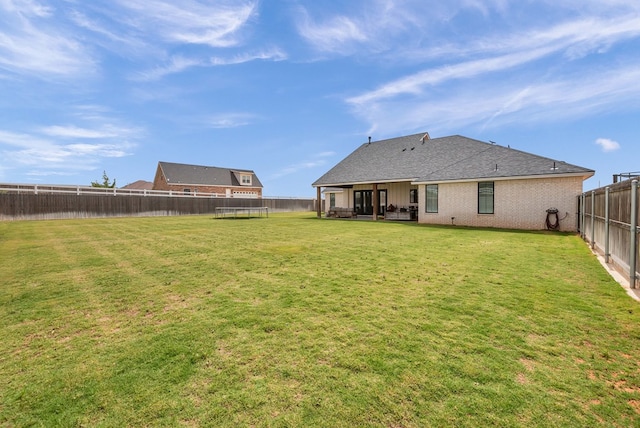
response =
{"points": [[178, 173], [409, 158]]}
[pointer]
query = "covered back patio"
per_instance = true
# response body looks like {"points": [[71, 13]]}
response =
{"points": [[374, 201]]}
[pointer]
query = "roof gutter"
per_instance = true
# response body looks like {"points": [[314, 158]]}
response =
{"points": [[356, 183], [523, 177]]}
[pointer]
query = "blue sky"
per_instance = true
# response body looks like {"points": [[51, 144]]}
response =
{"points": [[290, 87]]}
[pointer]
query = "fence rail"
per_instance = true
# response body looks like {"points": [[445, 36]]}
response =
{"points": [[608, 221], [40, 202], [88, 190]]}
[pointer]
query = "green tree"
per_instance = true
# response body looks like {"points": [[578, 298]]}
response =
{"points": [[105, 182]]}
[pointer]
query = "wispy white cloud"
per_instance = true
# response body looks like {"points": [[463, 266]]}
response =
{"points": [[413, 31], [176, 64], [378, 26], [317, 160], [99, 150], [26, 7], [570, 38], [488, 104], [367, 27], [326, 154], [191, 22], [272, 54], [22, 140], [575, 38], [56, 173], [484, 91], [66, 42], [415, 84], [230, 120], [94, 113], [578, 37], [607, 144], [116, 38], [179, 64], [31, 42], [48, 153], [335, 35], [76, 132], [68, 148]]}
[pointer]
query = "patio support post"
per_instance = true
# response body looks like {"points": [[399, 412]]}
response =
{"points": [[319, 202], [634, 234], [375, 202]]}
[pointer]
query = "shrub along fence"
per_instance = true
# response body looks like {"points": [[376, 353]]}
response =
{"points": [[29, 202], [609, 223]]}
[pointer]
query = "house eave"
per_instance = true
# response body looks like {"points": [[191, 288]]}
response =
{"points": [[357, 183], [584, 175]]}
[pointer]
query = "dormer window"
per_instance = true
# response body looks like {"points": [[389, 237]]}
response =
{"points": [[245, 179]]}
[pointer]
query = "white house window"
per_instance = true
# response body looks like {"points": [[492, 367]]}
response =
{"points": [[485, 197], [431, 198], [245, 179]]}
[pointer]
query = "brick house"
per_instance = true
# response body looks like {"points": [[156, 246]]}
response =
{"points": [[139, 185], [194, 179], [456, 180]]}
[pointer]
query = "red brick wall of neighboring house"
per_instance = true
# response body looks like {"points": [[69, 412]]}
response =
{"points": [[213, 189]]}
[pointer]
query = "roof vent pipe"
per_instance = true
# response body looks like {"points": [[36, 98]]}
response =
{"points": [[369, 139]]}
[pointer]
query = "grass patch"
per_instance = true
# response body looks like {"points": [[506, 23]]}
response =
{"points": [[294, 321]]}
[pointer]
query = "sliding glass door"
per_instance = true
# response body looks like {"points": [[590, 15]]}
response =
{"points": [[363, 202]]}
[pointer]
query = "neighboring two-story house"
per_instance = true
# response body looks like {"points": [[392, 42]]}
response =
{"points": [[194, 179]]}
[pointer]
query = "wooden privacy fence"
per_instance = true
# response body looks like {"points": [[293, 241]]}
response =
{"points": [[608, 221], [39, 189], [76, 202]]}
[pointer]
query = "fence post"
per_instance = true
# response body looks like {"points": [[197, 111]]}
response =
{"points": [[582, 233], [634, 230], [581, 214], [35, 189], [593, 219], [606, 225], [78, 190]]}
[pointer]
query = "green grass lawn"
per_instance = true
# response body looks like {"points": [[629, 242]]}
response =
{"points": [[294, 321]]}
